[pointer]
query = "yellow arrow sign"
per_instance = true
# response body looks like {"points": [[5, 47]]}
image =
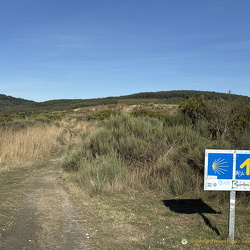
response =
{"points": [[246, 164]]}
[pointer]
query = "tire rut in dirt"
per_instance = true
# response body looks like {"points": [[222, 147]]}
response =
{"points": [[46, 218]]}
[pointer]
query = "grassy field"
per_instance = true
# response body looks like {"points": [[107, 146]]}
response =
{"points": [[145, 221], [136, 180]]}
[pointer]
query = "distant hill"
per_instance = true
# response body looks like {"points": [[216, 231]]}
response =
{"points": [[10, 105], [185, 94], [6, 100]]}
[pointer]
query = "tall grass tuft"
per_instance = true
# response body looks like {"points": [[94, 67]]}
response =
{"points": [[28, 144], [102, 174]]}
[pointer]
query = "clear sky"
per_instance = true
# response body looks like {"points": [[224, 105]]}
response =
{"points": [[54, 49]]}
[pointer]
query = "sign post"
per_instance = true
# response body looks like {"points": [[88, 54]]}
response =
{"points": [[231, 221], [227, 170]]}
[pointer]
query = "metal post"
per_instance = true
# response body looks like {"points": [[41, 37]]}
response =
{"points": [[232, 214]]}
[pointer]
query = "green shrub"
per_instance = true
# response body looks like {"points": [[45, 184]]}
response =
{"points": [[102, 114], [148, 113], [178, 119], [134, 139], [101, 174], [195, 108], [71, 161], [134, 152]]}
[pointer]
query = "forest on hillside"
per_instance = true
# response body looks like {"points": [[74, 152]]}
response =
{"points": [[13, 101], [11, 105]]}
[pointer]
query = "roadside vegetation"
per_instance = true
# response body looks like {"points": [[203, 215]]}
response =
{"points": [[136, 160], [123, 162], [26, 140], [156, 150]]}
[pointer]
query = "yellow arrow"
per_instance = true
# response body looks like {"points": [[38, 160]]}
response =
{"points": [[246, 164]]}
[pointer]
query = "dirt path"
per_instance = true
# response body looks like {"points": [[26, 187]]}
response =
{"points": [[46, 218]]}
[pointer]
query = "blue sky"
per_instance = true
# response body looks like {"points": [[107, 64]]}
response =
{"points": [[54, 49]]}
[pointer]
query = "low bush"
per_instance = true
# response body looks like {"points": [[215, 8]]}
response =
{"points": [[100, 174], [133, 152], [71, 161], [141, 150], [134, 139], [102, 114], [148, 113]]}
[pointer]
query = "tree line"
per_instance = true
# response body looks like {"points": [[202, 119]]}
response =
{"points": [[10, 105]]}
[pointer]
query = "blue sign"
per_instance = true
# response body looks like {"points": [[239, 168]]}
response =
{"points": [[227, 170], [220, 165], [242, 167]]}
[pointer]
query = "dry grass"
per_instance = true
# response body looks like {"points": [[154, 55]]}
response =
{"points": [[26, 145], [141, 221]]}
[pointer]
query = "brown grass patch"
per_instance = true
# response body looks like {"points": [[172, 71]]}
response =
{"points": [[26, 145]]}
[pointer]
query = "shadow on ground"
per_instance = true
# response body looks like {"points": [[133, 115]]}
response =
{"points": [[192, 206]]}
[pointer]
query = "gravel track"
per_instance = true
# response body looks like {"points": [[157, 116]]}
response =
{"points": [[46, 218]]}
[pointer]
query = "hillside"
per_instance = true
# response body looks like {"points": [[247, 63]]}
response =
{"points": [[13, 101], [185, 94], [59, 172], [11, 105]]}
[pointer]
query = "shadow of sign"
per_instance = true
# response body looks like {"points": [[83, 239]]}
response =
{"points": [[192, 206]]}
